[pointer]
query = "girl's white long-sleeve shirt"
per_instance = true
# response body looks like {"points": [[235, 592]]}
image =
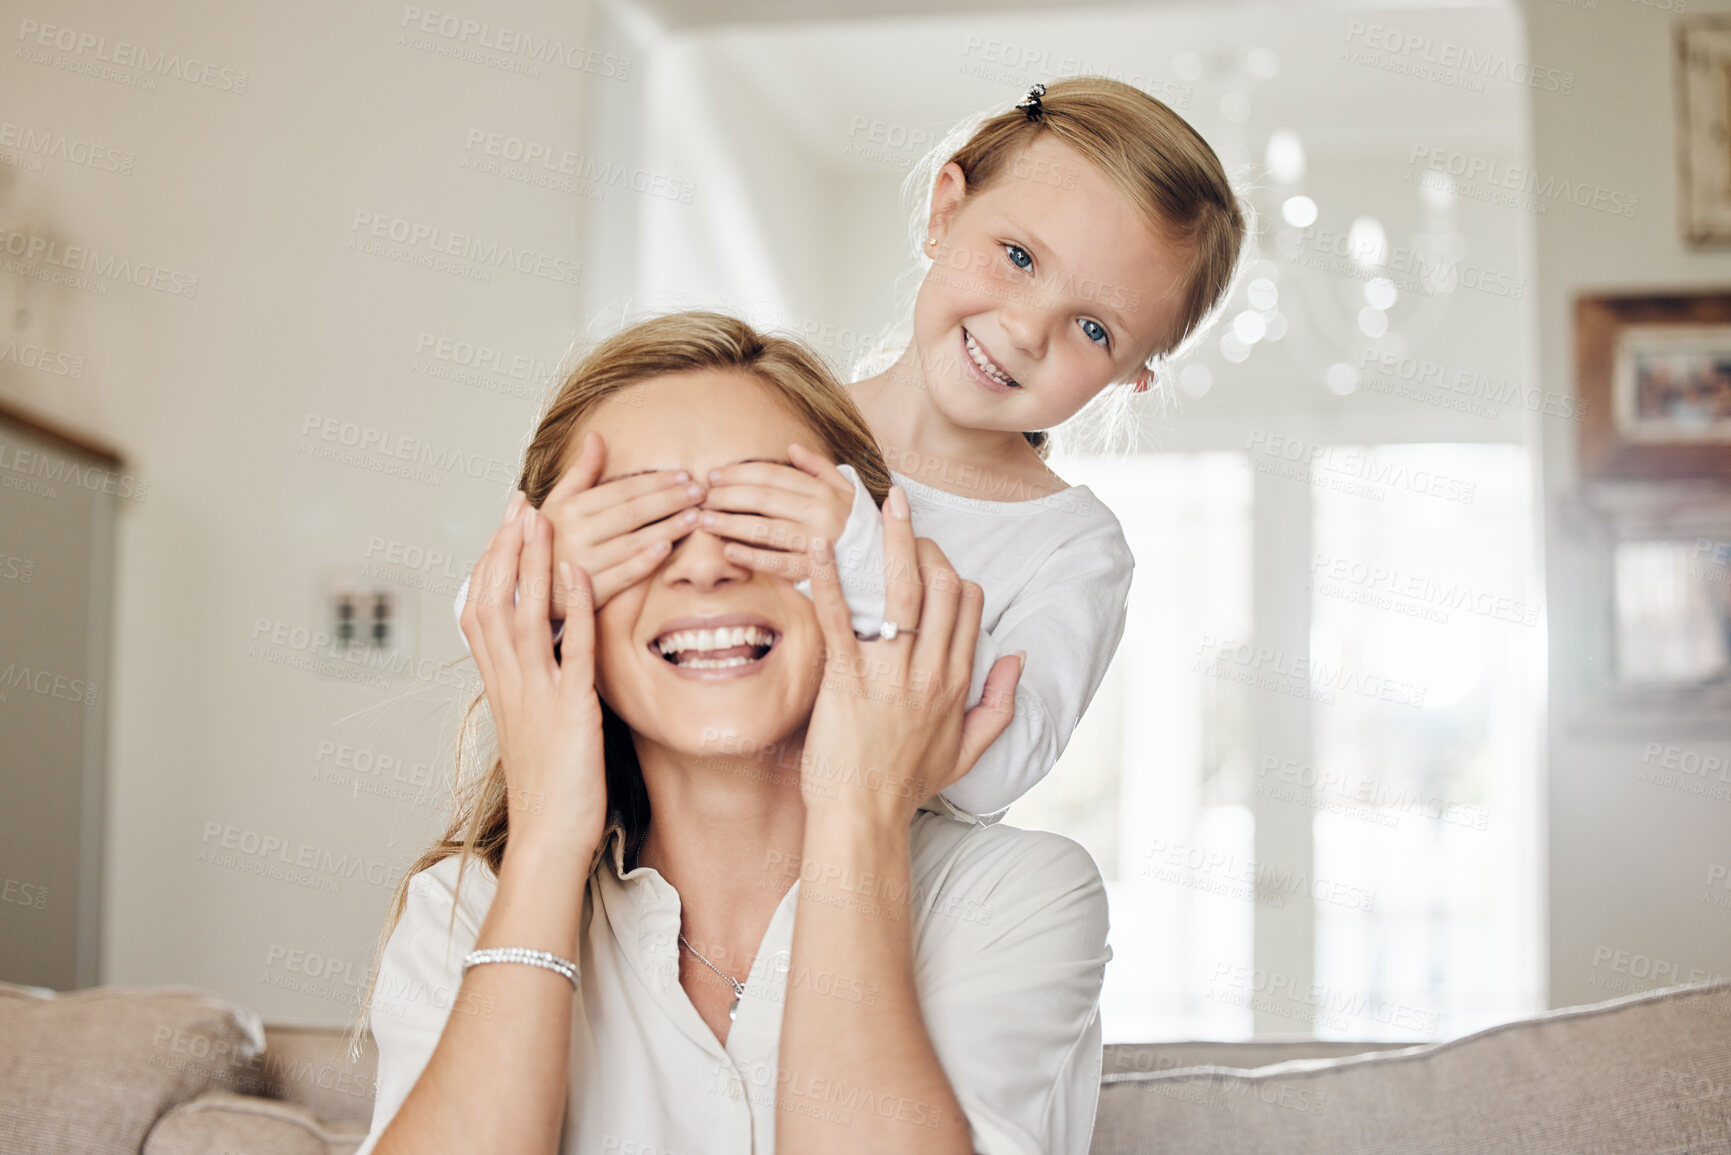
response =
{"points": [[1056, 573]]}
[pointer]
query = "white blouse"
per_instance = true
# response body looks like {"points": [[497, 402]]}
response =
{"points": [[1009, 939]]}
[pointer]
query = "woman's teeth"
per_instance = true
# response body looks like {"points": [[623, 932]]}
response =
{"points": [[715, 649], [986, 364]]}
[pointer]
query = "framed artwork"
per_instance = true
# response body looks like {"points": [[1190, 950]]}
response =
{"points": [[1653, 377], [1703, 46]]}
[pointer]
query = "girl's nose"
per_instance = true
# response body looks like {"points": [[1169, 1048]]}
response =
{"points": [[1026, 328]]}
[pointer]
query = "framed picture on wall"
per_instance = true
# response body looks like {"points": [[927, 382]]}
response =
{"points": [[1653, 377], [1703, 72]]}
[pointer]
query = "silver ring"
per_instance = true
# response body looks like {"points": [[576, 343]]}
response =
{"points": [[891, 632]]}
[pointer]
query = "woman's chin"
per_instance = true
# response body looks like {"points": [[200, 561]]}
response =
{"points": [[719, 727], [727, 739]]}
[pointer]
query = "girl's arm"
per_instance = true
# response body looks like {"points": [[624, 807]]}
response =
{"points": [[1069, 620], [885, 730], [497, 1079]]}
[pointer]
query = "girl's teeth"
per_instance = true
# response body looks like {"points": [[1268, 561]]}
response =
{"points": [[985, 364]]}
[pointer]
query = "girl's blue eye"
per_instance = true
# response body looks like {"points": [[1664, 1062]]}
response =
{"points": [[1096, 333], [1018, 256]]}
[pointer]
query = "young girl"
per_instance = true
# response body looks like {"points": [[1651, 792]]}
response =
{"points": [[1074, 241]]}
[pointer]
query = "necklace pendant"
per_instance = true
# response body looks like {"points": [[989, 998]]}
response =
{"points": [[733, 1008]]}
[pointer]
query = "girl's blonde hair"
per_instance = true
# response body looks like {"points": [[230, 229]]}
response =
{"points": [[1148, 153], [677, 343]]}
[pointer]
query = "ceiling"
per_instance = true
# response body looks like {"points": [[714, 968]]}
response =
{"points": [[1282, 64]]}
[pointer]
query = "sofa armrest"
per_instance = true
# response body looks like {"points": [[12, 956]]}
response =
{"points": [[224, 1121], [308, 1067]]}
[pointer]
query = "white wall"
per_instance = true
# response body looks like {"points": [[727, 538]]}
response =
{"points": [[256, 192], [1628, 859]]}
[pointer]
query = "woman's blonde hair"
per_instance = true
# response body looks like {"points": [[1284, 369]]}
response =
{"points": [[1147, 152], [676, 343]]}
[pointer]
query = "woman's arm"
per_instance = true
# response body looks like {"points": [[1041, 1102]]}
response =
{"points": [[884, 733], [498, 1081]]}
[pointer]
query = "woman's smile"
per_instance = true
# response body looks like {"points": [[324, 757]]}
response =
{"points": [[717, 646]]}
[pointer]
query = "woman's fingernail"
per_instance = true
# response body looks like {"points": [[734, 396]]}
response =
{"points": [[512, 505], [714, 476], [681, 477], [528, 516], [898, 502], [819, 544]]}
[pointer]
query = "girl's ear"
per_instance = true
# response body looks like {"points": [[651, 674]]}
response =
{"points": [[1144, 380], [948, 192]]}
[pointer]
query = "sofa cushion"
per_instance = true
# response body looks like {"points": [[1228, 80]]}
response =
{"points": [[1649, 1072], [223, 1121], [90, 1071], [309, 1066]]}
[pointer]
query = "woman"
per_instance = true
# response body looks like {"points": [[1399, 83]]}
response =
{"points": [[711, 752]]}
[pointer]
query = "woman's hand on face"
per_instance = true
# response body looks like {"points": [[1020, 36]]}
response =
{"points": [[617, 532], [546, 713], [772, 513], [888, 729]]}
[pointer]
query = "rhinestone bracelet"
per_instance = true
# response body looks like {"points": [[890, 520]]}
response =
{"points": [[521, 954]]}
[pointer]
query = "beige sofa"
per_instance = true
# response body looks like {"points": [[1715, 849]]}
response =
{"points": [[177, 1071]]}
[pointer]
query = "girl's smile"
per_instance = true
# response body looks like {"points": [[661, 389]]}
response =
{"points": [[987, 370]]}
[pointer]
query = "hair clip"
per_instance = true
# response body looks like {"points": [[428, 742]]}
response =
{"points": [[1031, 102]]}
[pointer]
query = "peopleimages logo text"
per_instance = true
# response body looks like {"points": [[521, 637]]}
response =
{"points": [[124, 54], [1468, 61]]}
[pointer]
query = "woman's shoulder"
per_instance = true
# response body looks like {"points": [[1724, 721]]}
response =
{"points": [[982, 868], [469, 886]]}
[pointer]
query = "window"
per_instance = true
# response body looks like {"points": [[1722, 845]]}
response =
{"points": [[1154, 780], [1428, 807], [1418, 779]]}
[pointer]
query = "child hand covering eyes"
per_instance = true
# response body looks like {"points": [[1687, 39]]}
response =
{"points": [[1056, 574]]}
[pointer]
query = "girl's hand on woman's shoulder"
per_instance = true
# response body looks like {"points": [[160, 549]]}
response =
{"points": [[888, 729], [546, 712]]}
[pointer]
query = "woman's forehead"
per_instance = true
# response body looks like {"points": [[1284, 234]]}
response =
{"points": [[696, 420]]}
